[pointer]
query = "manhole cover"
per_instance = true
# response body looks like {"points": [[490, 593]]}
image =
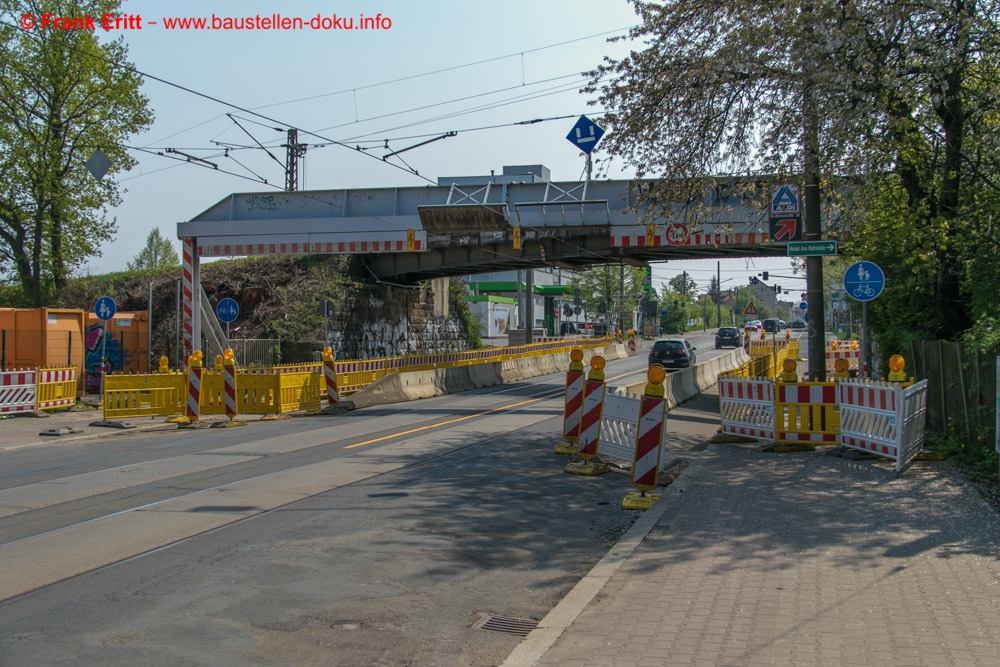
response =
{"points": [[514, 626]]}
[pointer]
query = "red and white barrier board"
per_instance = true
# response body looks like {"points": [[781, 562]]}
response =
{"points": [[573, 406], [590, 420], [746, 406], [649, 442], [17, 391], [883, 417]]}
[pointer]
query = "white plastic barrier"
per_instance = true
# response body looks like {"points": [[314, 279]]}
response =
{"points": [[747, 407], [883, 417], [619, 423], [18, 391]]}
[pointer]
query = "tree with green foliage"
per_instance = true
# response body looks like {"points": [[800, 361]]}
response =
{"points": [[602, 284], [64, 94], [158, 253], [895, 101]]}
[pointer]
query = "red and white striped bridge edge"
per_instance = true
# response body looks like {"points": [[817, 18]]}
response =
{"points": [[883, 418], [17, 391], [233, 249], [54, 377], [573, 405], [652, 430], [679, 235], [746, 407]]}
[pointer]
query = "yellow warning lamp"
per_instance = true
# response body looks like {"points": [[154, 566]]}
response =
{"points": [[788, 373], [833, 346], [655, 377], [576, 360], [897, 366], [854, 344], [841, 369], [597, 368], [763, 334], [195, 360], [164, 365], [228, 358], [328, 353], [218, 362], [788, 334]]}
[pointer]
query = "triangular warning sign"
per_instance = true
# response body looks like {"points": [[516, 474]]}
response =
{"points": [[750, 310]]}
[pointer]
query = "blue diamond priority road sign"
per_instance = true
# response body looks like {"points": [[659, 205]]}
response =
{"points": [[585, 134], [863, 281], [105, 308], [227, 310]]}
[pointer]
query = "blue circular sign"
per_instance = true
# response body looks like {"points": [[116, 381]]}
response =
{"points": [[863, 281], [803, 306], [227, 310], [105, 308]]}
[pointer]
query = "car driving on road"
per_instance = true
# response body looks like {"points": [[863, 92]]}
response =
{"points": [[728, 337], [672, 353]]}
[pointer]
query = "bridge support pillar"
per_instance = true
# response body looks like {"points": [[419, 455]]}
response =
{"points": [[439, 287]]}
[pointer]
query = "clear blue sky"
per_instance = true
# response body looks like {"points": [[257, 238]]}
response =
{"points": [[506, 62]]}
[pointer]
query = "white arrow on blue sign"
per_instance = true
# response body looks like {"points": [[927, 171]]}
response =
{"points": [[227, 310], [863, 281], [105, 308], [585, 134]]}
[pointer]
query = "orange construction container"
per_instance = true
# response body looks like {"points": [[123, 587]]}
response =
{"points": [[34, 337], [126, 349]]}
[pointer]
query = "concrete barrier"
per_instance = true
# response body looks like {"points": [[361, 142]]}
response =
{"points": [[681, 386], [414, 385]]}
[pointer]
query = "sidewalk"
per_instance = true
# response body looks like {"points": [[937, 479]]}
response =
{"points": [[788, 559]]}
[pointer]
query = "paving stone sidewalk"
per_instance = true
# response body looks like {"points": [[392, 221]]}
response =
{"points": [[800, 559]]}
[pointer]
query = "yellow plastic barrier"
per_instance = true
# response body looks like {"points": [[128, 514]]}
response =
{"points": [[299, 391], [806, 412], [145, 395], [56, 387], [258, 394]]}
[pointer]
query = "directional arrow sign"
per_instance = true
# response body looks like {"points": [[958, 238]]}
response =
{"points": [[811, 248], [785, 229]]}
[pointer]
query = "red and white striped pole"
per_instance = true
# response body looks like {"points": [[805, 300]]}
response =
{"points": [[330, 375], [229, 373], [574, 402], [194, 386], [593, 410], [648, 441]]}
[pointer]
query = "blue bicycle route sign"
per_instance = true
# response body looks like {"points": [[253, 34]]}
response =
{"points": [[227, 310], [863, 281]]}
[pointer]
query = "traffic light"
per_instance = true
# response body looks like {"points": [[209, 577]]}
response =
{"points": [[764, 276]]}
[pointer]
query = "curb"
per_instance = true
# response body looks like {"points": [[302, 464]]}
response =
{"points": [[550, 628]]}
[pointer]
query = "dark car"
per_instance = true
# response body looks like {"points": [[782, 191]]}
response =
{"points": [[672, 353], [772, 324], [728, 337], [798, 324]]}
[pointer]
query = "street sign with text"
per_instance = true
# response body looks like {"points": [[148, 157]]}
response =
{"points": [[811, 248]]}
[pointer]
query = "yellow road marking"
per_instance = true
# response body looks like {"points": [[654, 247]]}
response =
{"points": [[467, 417]]}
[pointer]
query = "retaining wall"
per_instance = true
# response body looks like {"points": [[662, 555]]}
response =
{"points": [[680, 386]]}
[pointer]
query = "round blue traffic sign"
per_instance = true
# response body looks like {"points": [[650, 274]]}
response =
{"points": [[105, 308], [227, 310], [863, 281], [803, 306]]}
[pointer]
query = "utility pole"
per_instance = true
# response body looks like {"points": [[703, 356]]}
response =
{"points": [[812, 228], [621, 295], [718, 294], [293, 152]]}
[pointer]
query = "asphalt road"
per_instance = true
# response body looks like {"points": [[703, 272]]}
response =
{"points": [[380, 536]]}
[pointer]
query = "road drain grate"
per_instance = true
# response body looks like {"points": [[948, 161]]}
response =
{"points": [[515, 626]]}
